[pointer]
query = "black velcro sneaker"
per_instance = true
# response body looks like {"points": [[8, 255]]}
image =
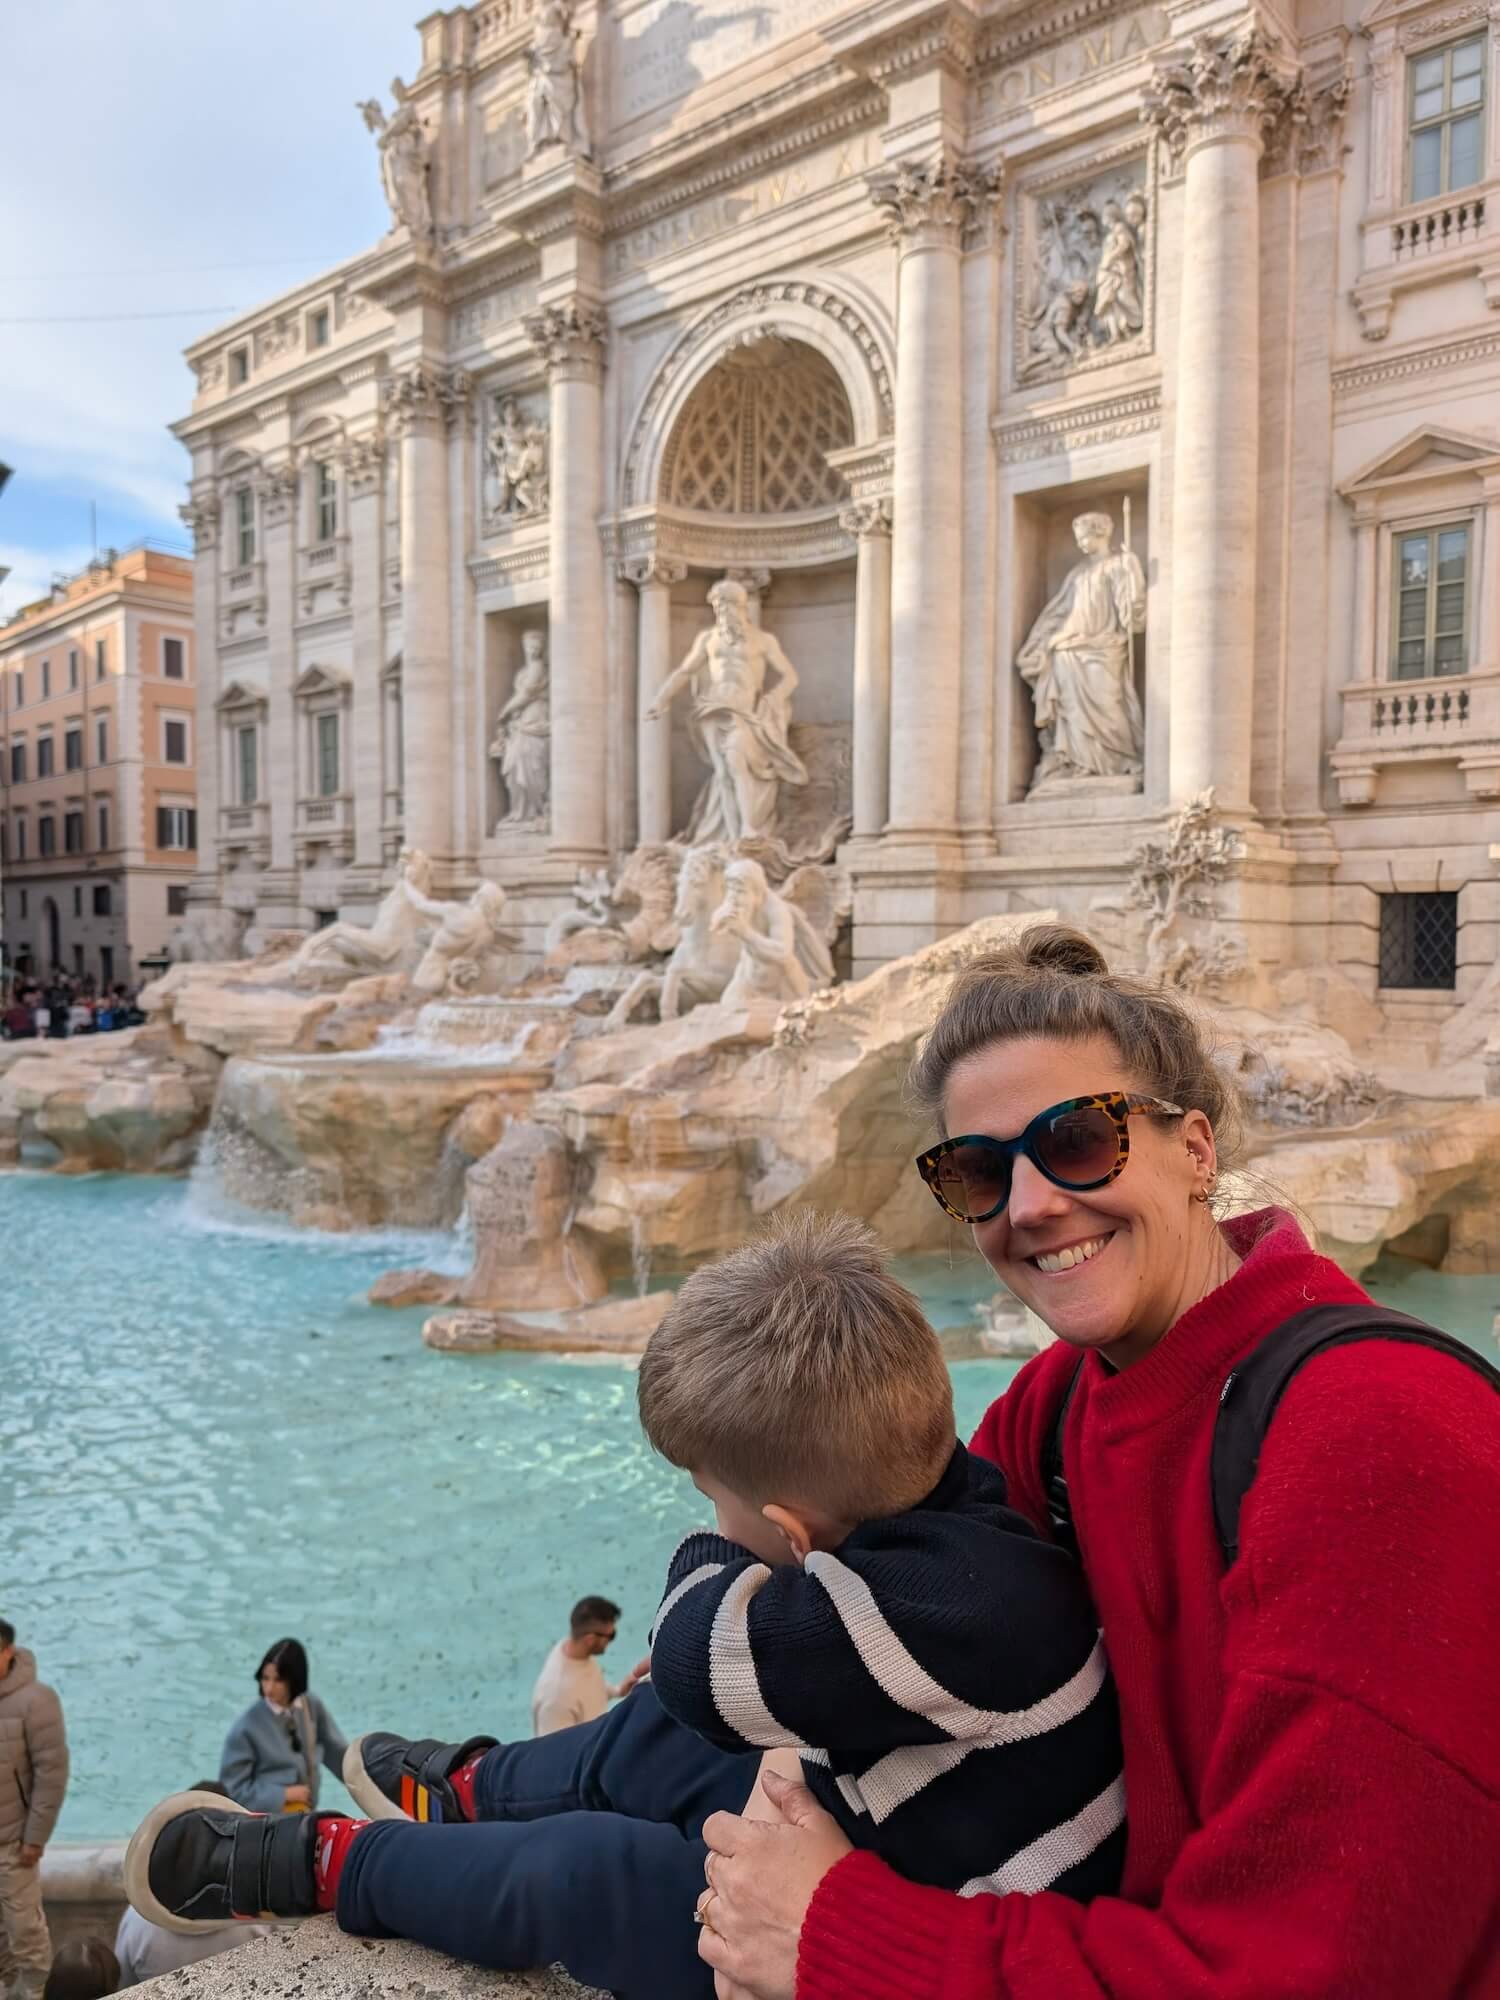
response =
{"points": [[394, 1777], [198, 1861]]}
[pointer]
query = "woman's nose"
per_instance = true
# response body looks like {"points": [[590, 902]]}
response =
{"points": [[1033, 1198]]}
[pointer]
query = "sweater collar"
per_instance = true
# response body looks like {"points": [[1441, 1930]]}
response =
{"points": [[1279, 1275]]}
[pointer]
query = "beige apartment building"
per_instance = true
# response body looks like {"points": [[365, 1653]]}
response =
{"points": [[98, 800]]}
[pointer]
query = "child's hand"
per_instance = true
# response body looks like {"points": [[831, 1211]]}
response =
{"points": [[641, 1671]]}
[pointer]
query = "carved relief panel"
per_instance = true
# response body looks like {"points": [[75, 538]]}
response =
{"points": [[515, 458], [1085, 265]]}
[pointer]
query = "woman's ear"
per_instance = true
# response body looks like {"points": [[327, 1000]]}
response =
{"points": [[792, 1528], [1198, 1137]]}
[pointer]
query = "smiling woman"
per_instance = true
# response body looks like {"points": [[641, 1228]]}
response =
{"points": [[1312, 1749]]}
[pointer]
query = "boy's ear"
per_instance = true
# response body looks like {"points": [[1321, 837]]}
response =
{"points": [[793, 1530]]}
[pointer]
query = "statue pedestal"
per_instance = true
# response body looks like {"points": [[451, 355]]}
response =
{"points": [[1060, 787]]}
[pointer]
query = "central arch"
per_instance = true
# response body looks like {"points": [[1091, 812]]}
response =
{"points": [[755, 434]]}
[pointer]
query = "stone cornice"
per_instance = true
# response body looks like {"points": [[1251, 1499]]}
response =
{"points": [[1356, 376], [1239, 85], [1053, 433], [946, 37]]}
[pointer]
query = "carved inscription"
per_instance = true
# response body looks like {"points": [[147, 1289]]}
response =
{"points": [[668, 48], [1069, 63]]}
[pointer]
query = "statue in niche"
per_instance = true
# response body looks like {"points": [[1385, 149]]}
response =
{"points": [[1089, 292], [403, 160], [522, 745], [344, 951], [555, 114], [781, 956], [515, 462], [468, 940], [1077, 661], [740, 722]]}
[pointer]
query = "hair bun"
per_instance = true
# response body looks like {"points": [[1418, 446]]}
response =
{"points": [[1059, 948]]}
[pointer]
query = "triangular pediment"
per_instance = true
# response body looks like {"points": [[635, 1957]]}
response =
{"points": [[322, 680], [1432, 452], [1383, 13], [243, 691]]}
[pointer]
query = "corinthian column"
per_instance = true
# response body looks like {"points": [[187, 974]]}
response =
{"points": [[201, 517], [869, 521], [653, 577], [277, 488], [364, 470], [927, 206], [1215, 104], [418, 403], [570, 339]]}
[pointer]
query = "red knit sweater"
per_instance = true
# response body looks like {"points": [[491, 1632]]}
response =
{"points": [[1312, 1741]]}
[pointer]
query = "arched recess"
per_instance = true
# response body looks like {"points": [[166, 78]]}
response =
{"points": [[800, 310]]}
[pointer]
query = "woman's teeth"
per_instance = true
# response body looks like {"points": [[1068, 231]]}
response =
{"points": [[1064, 1260]]}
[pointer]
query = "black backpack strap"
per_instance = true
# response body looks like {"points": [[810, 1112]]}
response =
{"points": [[1054, 1479], [1248, 1400]]}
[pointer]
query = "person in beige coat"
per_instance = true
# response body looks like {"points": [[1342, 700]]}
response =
{"points": [[33, 1778]]}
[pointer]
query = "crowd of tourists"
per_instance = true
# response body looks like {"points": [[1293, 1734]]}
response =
{"points": [[65, 1004], [1178, 1680]]}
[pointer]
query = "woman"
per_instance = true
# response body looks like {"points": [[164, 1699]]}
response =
{"points": [[1312, 1738], [270, 1760]]}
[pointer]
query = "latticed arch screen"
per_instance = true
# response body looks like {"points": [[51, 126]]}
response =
{"points": [[1419, 939], [755, 435]]}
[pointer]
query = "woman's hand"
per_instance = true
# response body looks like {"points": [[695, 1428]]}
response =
{"points": [[761, 1878], [297, 1795]]}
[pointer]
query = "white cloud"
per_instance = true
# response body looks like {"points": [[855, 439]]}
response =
{"points": [[32, 571]]}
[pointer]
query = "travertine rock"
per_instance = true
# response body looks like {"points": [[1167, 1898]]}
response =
{"points": [[104, 1104], [612, 1326], [521, 1203], [412, 1288]]}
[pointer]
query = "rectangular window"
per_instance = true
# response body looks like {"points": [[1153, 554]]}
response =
{"points": [[175, 742], [1446, 118], [239, 367], [44, 756], [245, 747], [176, 827], [174, 659], [323, 919], [19, 678], [23, 902], [328, 501], [318, 329], [104, 826], [73, 833], [78, 902], [101, 899], [101, 740], [1419, 940], [101, 660], [328, 756], [46, 679], [73, 750], [244, 521], [1432, 599], [46, 828], [72, 666], [177, 899], [21, 855], [106, 966], [18, 763]]}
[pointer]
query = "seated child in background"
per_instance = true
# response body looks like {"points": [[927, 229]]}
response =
{"points": [[869, 1604]]}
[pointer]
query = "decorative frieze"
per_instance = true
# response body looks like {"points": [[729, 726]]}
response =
{"points": [[1358, 376], [515, 483], [569, 337], [1079, 425], [1086, 250], [278, 337], [1237, 85]]}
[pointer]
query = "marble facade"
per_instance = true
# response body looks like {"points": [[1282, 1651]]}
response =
{"points": [[862, 307]]}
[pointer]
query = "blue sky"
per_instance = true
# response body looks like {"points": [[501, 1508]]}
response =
{"points": [[182, 157]]}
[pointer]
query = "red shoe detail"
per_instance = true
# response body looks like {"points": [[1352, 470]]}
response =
{"points": [[462, 1781], [334, 1837]]}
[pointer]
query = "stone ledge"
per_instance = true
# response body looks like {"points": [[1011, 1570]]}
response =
{"points": [[316, 1961]]}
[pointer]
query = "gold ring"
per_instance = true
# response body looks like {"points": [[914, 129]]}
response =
{"points": [[700, 1910]]}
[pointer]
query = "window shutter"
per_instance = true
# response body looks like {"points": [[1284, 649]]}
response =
{"points": [[192, 828], [163, 826]]}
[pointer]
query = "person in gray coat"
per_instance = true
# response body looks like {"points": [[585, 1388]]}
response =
{"points": [[271, 1755], [33, 1778]]}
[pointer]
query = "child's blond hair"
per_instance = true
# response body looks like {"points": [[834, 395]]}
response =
{"points": [[798, 1370]]}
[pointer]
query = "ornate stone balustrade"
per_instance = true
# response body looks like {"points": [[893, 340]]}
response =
{"points": [[1455, 719], [1441, 225]]}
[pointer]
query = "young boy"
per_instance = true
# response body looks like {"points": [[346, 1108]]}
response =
{"points": [[869, 1605]]}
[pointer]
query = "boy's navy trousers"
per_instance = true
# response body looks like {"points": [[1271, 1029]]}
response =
{"points": [[588, 1853]]}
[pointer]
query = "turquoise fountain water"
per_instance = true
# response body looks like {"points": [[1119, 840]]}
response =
{"points": [[211, 1441]]}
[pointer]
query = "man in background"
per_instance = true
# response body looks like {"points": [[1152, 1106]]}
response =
{"points": [[571, 1686], [33, 1778]]}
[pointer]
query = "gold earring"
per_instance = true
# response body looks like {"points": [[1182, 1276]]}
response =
{"points": [[1204, 1193]]}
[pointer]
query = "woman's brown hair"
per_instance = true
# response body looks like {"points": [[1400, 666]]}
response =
{"points": [[1053, 984]]}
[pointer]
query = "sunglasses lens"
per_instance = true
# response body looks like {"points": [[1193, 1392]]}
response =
{"points": [[1079, 1147], [973, 1180]]}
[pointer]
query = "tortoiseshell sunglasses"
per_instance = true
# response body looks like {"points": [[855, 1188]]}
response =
{"points": [[1079, 1144]]}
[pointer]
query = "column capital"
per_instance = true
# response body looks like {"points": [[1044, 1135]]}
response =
{"points": [[930, 204], [422, 396], [200, 516], [569, 337], [1218, 87], [363, 460], [643, 571], [867, 520], [277, 488]]}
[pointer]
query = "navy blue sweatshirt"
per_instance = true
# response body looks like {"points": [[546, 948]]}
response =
{"points": [[942, 1675]]}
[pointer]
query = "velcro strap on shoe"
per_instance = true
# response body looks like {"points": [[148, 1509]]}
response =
{"points": [[246, 1865]]}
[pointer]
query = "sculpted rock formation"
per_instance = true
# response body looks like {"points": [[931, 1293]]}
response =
{"points": [[107, 1104]]}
